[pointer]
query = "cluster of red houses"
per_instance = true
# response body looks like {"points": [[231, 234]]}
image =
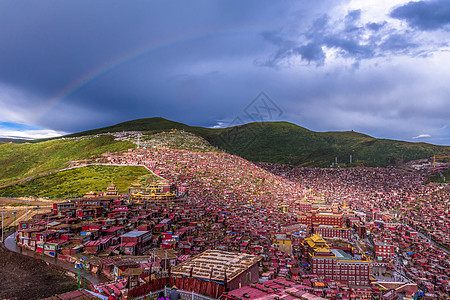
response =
{"points": [[240, 238]]}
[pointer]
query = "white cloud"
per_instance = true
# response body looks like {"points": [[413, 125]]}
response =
{"points": [[30, 134], [374, 10], [421, 136], [219, 124]]}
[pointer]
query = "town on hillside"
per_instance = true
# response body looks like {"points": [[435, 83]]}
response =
{"points": [[214, 226]]}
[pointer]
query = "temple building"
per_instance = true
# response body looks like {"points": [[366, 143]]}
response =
{"points": [[336, 264], [233, 270], [111, 191], [319, 217], [329, 231], [158, 192]]}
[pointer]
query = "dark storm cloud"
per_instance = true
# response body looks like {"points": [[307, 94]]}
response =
{"points": [[398, 42], [47, 47], [350, 19], [312, 52], [425, 15], [355, 40], [321, 34], [375, 26]]}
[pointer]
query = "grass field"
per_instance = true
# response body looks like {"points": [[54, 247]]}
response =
{"points": [[22, 160], [78, 181]]}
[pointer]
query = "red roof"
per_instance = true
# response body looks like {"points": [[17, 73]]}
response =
{"points": [[129, 244], [112, 229], [92, 243]]}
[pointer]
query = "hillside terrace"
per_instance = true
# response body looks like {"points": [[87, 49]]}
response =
{"points": [[222, 175]]}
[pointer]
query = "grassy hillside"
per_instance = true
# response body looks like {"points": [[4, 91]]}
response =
{"points": [[22, 160], [283, 142], [78, 181]]}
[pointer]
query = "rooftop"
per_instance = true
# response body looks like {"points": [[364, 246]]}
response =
{"points": [[134, 233], [219, 262], [341, 254]]}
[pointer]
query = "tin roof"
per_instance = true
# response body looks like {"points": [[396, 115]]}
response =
{"points": [[134, 233], [219, 262]]}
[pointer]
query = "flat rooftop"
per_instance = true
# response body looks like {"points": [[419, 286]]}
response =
{"points": [[134, 233], [219, 262], [341, 254]]}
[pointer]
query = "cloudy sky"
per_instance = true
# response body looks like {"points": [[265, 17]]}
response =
{"points": [[381, 67]]}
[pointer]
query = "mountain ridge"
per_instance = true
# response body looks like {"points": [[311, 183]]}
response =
{"points": [[285, 142]]}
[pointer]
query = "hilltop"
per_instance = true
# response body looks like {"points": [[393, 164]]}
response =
{"points": [[284, 142]]}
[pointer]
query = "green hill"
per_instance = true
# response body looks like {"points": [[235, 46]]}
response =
{"points": [[150, 125], [78, 181], [283, 142], [24, 160]]}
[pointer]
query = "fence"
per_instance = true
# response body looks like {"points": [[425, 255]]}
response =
{"points": [[189, 286], [188, 295], [185, 295]]}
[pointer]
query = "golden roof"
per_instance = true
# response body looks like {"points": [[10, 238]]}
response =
{"points": [[317, 238]]}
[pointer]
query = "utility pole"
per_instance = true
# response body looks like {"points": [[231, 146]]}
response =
{"points": [[79, 278], [14, 213], [2, 212], [43, 247], [27, 209], [84, 277]]}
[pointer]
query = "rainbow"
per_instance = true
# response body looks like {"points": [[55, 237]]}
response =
{"points": [[131, 56]]}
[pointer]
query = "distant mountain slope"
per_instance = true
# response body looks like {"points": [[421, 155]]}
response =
{"points": [[11, 140], [283, 142], [156, 124]]}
